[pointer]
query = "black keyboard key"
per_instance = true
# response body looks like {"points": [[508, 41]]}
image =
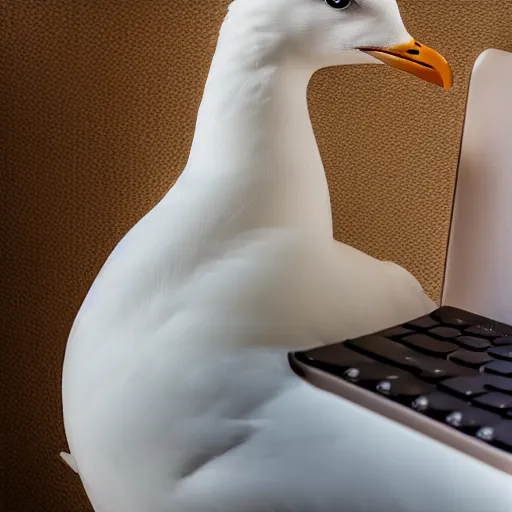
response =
{"points": [[370, 374], [424, 322], [471, 419], [452, 317], [436, 369], [504, 340], [438, 404], [485, 434], [469, 358], [382, 348], [499, 368], [466, 386], [404, 389], [498, 402], [337, 358], [396, 332], [473, 343], [500, 435], [490, 328], [429, 345], [503, 435], [390, 351], [504, 352], [498, 383], [445, 332], [482, 330]]}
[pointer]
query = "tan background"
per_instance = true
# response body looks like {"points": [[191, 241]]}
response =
{"points": [[97, 106]]}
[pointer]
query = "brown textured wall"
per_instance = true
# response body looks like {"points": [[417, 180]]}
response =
{"points": [[97, 106]]}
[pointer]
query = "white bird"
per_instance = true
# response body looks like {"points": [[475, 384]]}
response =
{"points": [[177, 392]]}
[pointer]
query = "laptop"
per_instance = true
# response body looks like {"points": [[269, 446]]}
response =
{"points": [[448, 374]]}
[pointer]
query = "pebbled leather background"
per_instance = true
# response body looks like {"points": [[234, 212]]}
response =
{"points": [[97, 111]]}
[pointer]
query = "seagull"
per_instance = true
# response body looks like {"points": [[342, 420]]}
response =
{"points": [[177, 390]]}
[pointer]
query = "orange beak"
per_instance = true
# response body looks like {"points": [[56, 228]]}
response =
{"points": [[417, 59]]}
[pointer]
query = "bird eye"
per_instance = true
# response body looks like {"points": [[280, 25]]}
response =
{"points": [[338, 4]]}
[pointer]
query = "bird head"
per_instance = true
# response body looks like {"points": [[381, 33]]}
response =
{"points": [[336, 32]]}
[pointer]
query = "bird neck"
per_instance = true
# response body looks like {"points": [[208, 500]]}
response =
{"points": [[253, 133]]}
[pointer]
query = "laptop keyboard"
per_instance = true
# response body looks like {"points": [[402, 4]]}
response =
{"points": [[452, 366]]}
